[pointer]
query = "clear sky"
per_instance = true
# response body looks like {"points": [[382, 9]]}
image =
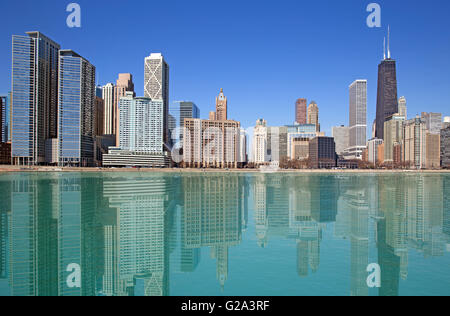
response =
{"points": [[264, 54]]}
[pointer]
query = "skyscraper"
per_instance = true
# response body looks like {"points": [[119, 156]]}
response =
{"points": [[141, 134], [393, 134], [124, 84], [301, 111], [156, 86], [358, 118], [76, 108], [99, 112], [221, 107], [387, 100], [108, 115], [402, 109], [260, 142], [313, 115], [34, 96]]}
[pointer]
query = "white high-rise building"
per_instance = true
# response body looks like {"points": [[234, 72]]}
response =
{"points": [[358, 119], [243, 147], [260, 142], [108, 115], [156, 85], [402, 109]]}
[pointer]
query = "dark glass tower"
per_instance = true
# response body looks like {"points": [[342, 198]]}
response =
{"points": [[387, 101]]}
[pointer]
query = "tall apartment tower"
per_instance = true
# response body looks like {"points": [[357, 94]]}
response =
{"points": [[221, 107], [260, 142], [313, 115], [3, 129], [108, 100], [156, 86], [76, 110], [34, 96], [402, 109], [358, 118], [124, 84], [301, 111], [387, 100], [433, 122]]}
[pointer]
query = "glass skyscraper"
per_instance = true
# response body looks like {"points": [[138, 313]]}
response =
{"points": [[34, 96], [357, 119], [76, 121]]}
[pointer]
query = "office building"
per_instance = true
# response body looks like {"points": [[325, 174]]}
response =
{"points": [[313, 115], [123, 85], [301, 111], [76, 108], [322, 152], [34, 96], [277, 143], [300, 149], [156, 86], [373, 147], [221, 107], [108, 103], [433, 122], [393, 134], [414, 143], [141, 134], [260, 142], [357, 119], [445, 148], [341, 135], [433, 151], [99, 109], [299, 131], [5, 153], [387, 98], [186, 110], [402, 108], [211, 144]]}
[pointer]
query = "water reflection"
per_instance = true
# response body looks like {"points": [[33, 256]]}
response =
{"points": [[129, 234]]}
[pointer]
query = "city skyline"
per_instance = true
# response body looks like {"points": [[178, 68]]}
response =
{"points": [[202, 86]]}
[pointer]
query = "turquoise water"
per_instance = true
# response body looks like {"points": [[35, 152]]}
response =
{"points": [[223, 234]]}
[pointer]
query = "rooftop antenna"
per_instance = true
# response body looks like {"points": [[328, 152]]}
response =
{"points": [[384, 48], [389, 36]]}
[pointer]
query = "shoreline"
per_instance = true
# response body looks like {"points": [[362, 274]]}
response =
{"points": [[18, 169]]}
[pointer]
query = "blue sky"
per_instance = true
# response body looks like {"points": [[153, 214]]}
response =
{"points": [[265, 54]]}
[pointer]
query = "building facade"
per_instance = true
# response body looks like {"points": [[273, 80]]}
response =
{"points": [[393, 134], [402, 108], [357, 118], [301, 111], [433, 151], [260, 142], [123, 85], [341, 135], [108, 103], [322, 152], [34, 96], [211, 144], [373, 146], [156, 85], [76, 110], [445, 148], [300, 149], [414, 143]]}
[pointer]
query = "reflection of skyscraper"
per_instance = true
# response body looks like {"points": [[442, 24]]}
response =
{"points": [[212, 216], [260, 210], [142, 205], [5, 214], [323, 198]]}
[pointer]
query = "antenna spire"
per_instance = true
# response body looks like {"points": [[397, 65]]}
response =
{"points": [[384, 49], [389, 39]]}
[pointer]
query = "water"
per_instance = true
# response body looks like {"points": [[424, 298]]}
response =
{"points": [[223, 234]]}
